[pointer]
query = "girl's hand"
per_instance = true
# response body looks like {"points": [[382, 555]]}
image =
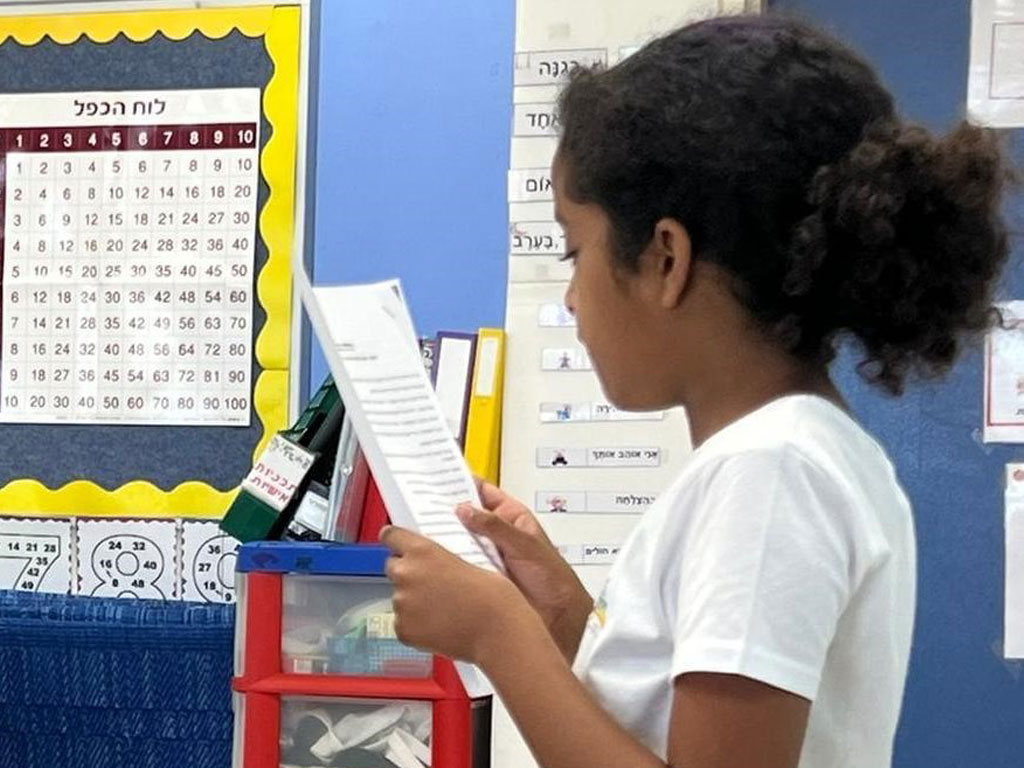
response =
{"points": [[533, 564], [442, 603]]}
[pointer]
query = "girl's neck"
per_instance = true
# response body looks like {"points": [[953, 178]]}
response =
{"points": [[715, 403]]}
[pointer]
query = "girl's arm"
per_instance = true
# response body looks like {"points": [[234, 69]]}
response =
{"points": [[449, 607]]}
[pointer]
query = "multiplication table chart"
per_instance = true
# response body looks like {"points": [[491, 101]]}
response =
{"points": [[129, 242]]}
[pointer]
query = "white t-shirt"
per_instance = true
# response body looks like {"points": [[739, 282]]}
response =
{"points": [[785, 553]]}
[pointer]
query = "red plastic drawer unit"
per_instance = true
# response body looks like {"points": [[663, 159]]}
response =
{"points": [[321, 680]]}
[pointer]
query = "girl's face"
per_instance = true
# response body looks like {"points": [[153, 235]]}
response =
{"points": [[615, 317]]}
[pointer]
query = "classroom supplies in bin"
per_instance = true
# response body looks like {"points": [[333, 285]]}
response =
{"points": [[316, 732], [334, 625], [321, 679]]}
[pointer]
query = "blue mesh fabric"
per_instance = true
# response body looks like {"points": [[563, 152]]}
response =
{"points": [[88, 682]]}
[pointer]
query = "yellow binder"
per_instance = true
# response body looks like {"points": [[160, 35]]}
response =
{"points": [[483, 433]]}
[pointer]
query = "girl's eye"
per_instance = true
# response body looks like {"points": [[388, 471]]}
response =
{"points": [[570, 256]]}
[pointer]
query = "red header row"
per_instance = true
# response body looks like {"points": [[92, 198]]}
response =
{"points": [[130, 138]]}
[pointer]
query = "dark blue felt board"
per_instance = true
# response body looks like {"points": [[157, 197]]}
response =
{"points": [[964, 703], [114, 455], [102, 682]]}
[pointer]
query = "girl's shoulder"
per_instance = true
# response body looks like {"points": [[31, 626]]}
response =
{"points": [[800, 452], [797, 430]]}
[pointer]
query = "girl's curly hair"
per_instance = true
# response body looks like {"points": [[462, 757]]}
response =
{"points": [[779, 150]]}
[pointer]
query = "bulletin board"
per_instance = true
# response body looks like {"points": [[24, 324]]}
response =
{"points": [[148, 191]]}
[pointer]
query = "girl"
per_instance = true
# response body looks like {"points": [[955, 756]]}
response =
{"points": [[736, 197]]}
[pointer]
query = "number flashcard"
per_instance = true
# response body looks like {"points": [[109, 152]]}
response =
{"points": [[127, 558], [207, 562], [35, 555]]}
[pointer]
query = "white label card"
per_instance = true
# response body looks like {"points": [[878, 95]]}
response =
{"points": [[278, 472], [555, 316], [547, 67], [487, 367], [563, 413], [530, 185], [589, 554], [1013, 639], [536, 238], [592, 502], [535, 119], [565, 359], [612, 456], [995, 83]]}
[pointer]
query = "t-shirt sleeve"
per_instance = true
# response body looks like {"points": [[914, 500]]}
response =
{"points": [[766, 572]]}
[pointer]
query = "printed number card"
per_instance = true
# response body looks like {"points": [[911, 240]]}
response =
{"points": [[128, 256], [35, 555], [127, 558], [207, 563]]}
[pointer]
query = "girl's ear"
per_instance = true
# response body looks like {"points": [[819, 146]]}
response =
{"points": [[670, 262]]}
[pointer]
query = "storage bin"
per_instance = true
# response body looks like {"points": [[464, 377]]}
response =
{"points": [[320, 678]]}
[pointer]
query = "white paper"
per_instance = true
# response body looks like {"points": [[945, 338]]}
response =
{"points": [[128, 558], [995, 84], [208, 557], [418, 466], [36, 555], [377, 367], [1013, 640], [1004, 377]]}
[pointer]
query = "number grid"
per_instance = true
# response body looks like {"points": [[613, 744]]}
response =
{"points": [[128, 274]]}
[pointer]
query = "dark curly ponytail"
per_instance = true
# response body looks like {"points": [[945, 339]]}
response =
{"points": [[780, 151]]}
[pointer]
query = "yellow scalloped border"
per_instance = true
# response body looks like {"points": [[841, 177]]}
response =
{"points": [[281, 30]]}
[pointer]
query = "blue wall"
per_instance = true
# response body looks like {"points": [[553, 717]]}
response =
{"points": [[413, 142], [413, 146]]}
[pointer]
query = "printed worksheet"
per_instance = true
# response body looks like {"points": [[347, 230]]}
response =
{"points": [[367, 337]]}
